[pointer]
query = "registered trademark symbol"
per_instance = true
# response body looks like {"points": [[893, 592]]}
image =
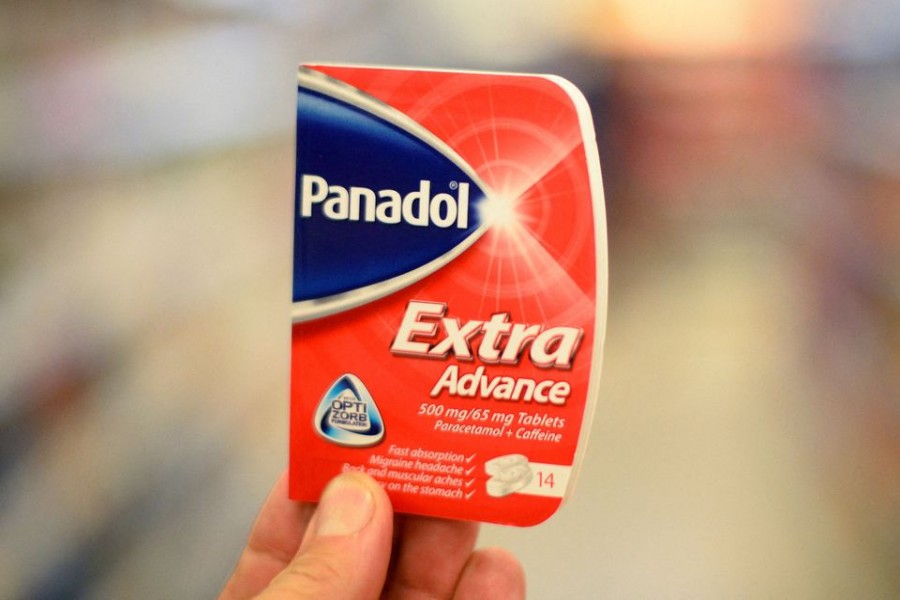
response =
{"points": [[453, 185]]}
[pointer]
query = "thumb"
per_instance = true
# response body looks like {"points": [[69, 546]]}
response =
{"points": [[346, 549]]}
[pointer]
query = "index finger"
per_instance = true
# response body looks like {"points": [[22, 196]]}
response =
{"points": [[430, 557], [273, 542]]}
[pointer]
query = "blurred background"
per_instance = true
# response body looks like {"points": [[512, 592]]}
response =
{"points": [[747, 438]]}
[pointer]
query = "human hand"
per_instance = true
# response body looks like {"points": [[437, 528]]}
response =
{"points": [[342, 550]]}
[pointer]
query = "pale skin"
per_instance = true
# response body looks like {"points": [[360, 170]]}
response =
{"points": [[353, 547]]}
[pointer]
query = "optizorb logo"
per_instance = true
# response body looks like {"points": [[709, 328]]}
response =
{"points": [[347, 414], [381, 202]]}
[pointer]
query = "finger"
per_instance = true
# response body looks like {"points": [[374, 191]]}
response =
{"points": [[273, 542], [345, 552], [491, 573], [431, 555]]}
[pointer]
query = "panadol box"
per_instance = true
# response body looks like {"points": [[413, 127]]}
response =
{"points": [[449, 290]]}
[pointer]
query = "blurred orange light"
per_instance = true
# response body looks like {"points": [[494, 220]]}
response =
{"points": [[696, 28]]}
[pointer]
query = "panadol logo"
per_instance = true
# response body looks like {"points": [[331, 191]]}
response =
{"points": [[418, 207], [381, 202]]}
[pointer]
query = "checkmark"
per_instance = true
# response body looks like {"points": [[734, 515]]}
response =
{"points": [[470, 482], [470, 494], [469, 458], [469, 471]]}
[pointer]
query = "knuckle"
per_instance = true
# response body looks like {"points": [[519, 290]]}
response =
{"points": [[321, 571]]}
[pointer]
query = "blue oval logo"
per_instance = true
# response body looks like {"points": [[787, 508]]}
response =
{"points": [[380, 201]]}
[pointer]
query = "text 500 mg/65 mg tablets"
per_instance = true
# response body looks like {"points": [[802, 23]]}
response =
{"points": [[449, 288]]}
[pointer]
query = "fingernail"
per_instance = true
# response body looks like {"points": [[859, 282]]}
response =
{"points": [[345, 508]]}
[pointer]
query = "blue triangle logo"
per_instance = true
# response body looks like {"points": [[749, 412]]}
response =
{"points": [[347, 414]]}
